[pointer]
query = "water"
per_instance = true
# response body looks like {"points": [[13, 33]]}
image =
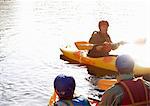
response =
{"points": [[31, 33]]}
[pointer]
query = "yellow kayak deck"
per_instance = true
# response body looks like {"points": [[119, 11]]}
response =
{"points": [[107, 63]]}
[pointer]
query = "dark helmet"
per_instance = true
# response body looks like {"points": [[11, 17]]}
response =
{"points": [[124, 62], [64, 86], [103, 23]]}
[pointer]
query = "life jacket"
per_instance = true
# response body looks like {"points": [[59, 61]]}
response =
{"points": [[77, 101], [98, 39], [135, 93]]}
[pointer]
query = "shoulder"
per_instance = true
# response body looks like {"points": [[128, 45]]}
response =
{"points": [[95, 33], [114, 90], [114, 87], [77, 101], [80, 100]]}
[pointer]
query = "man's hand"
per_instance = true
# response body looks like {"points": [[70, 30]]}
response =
{"points": [[106, 47]]}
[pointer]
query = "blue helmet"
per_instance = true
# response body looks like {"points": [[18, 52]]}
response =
{"points": [[124, 62], [64, 86]]}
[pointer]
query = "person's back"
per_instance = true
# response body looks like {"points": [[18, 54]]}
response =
{"points": [[64, 87], [129, 91]]}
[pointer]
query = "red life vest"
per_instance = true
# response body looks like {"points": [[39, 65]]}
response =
{"points": [[135, 93]]}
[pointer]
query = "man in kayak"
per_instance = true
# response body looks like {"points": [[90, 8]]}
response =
{"points": [[129, 91], [64, 87], [102, 41]]}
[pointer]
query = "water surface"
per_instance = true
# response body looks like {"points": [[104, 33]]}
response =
{"points": [[31, 33]]}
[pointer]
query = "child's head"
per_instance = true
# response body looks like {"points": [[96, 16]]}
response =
{"points": [[64, 86]]}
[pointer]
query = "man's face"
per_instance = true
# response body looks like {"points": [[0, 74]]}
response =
{"points": [[104, 28]]}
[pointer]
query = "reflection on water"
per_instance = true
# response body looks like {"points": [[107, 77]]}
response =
{"points": [[31, 33]]}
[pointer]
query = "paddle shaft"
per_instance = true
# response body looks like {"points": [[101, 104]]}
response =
{"points": [[83, 45]]}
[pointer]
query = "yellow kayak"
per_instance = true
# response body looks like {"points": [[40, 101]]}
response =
{"points": [[106, 63]]}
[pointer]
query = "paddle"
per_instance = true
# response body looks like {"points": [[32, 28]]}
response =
{"points": [[52, 99], [104, 84], [84, 45]]}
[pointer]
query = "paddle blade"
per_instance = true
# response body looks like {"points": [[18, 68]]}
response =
{"points": [[52, 99], [83, 45], [104, 84]]}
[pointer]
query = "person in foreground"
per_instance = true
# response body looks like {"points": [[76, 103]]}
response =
{"points": [[129, 91], [102, 41], [64, 87]]}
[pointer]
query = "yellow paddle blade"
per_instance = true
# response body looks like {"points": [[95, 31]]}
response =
{"points": [[52, 99], [83, 45], [104, 84]]}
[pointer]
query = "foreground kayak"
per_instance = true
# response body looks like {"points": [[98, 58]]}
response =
{"points": [[92, 100], [106, 63]]}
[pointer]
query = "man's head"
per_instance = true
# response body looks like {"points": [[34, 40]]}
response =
{"points": [[64, 86], [124, 64], [103, 26]]}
